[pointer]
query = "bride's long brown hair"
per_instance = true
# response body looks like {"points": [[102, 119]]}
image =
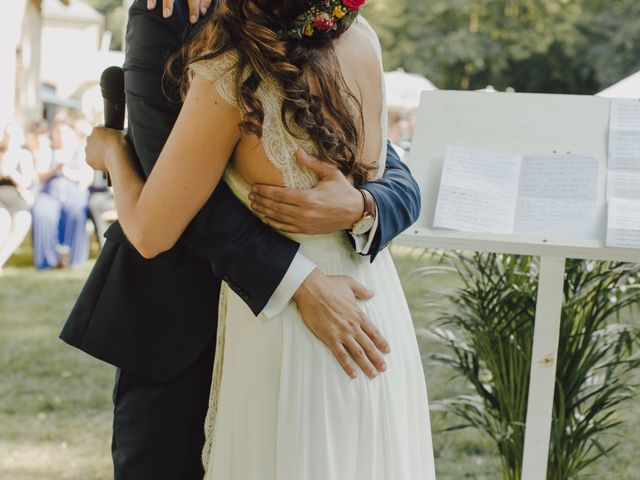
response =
{"points": [[251, 28]]}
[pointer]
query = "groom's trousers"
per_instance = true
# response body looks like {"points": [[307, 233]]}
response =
{"points": [[158, 428]]}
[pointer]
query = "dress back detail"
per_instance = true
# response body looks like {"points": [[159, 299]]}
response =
{"points": [[279, 145]]}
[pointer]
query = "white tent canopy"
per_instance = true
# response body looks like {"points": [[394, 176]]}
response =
{"points": [[626, 88], [404, 89], [75, 11]]}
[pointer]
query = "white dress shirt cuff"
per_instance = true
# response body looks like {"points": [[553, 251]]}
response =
{"points": [[298, 271], [363, 242]]}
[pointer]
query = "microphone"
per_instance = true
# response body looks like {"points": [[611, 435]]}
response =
{"points": [[112, 86]]}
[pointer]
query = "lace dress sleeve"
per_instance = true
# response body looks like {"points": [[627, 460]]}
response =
{"points": [[222, 71]]}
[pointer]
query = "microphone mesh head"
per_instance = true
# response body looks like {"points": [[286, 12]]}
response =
{"points": [[112, 84]]}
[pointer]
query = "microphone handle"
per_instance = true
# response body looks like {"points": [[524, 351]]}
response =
{"points": [[113, 118]]}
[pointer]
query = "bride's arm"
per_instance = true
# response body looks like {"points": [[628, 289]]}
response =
{"points": [[155, 213]]}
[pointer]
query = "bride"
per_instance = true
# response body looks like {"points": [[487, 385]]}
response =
{"points": [[264, 79]]}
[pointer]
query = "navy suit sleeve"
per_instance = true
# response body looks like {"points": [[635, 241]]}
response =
{"points": [[241, 250], [397, 197]]}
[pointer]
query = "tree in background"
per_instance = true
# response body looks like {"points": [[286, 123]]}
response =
{"points": [[114, 14], [568, 46], [551, 46], [615, 30]]}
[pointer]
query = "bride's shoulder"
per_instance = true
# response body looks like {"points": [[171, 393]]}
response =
{"points": [[215, 66], [360, 48], [221, 69], [366, 32]]}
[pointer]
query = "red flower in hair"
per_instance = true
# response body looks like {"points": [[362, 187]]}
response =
{"points": [[353, 4], [324, 21], [322, 16]]}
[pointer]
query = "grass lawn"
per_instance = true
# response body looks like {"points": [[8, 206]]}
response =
{"points": [[55, 402]]}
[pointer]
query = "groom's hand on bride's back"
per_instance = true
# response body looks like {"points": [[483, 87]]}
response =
{"points": [[332, 205], [329, 307], [197, 8]]}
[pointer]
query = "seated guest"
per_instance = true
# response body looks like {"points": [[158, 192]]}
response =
{"points": [[39, 144], [60, 211], [101, 203], [16, 176]]}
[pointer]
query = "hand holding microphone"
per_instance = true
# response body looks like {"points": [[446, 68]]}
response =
{"points": [[112, 87]]}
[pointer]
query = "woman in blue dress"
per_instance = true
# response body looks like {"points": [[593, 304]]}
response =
{"points": [[60, 235]]}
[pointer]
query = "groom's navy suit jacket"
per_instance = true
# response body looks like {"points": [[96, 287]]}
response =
{"points": [[153, 318]]}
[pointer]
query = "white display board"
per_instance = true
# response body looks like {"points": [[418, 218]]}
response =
{"points": [[514, 123], [517, 124]]}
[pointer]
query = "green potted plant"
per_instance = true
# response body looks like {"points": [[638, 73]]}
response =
{"points": [[487, 325]]}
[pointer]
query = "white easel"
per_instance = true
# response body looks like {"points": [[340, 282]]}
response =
{"points": [[517, 124]]}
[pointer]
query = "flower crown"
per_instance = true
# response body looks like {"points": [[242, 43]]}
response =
{"points": [[323, 16]]}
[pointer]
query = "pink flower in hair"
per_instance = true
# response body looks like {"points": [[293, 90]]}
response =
{"points": [[353, 4]]}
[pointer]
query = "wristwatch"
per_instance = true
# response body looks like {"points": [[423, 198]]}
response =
{"points": [[368, 219]]}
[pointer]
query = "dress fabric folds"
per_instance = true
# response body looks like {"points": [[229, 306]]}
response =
{"points": [[282, 408]]}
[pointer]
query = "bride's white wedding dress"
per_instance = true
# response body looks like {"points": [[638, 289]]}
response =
{"points": [[281, 406]]}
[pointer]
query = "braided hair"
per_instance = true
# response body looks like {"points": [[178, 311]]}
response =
{"points": [[254, 30]]}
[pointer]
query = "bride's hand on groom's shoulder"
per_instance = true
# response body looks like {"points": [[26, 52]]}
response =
{"points": [[329, 307], [197, 8], [332, 205]]}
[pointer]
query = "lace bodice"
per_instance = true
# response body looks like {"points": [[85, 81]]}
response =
{"points": [[279, 145]]}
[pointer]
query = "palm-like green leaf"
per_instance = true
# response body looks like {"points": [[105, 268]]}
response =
{"points": [[488, 327]]}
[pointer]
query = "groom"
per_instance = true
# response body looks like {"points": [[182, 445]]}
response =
{"points": [[156, 319]]}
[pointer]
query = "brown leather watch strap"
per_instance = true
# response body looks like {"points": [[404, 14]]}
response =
{"points": [[369, 203]]}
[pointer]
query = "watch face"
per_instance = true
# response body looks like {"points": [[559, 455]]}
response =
{"points": [[363, 226]]}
